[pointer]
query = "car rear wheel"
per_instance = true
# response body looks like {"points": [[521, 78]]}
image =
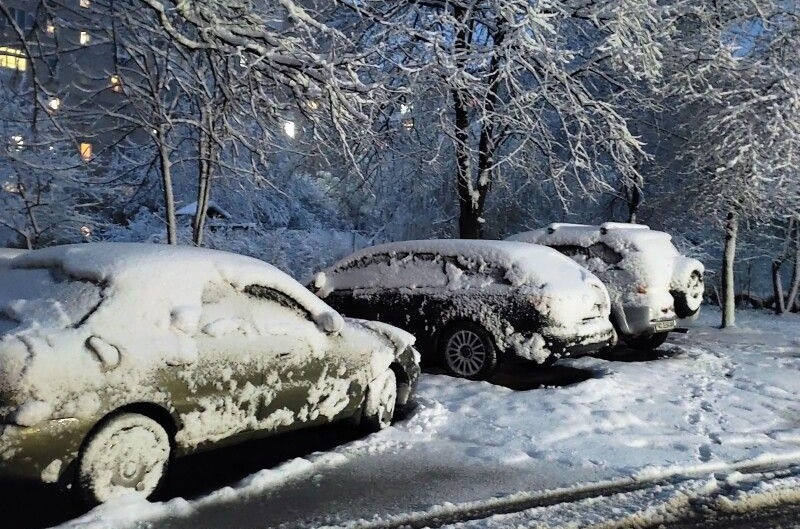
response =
{"points": [[129, 453], [380, 402], [647, 343], [468, 352]]}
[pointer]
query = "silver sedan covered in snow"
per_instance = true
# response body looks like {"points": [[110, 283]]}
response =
{"points": [[115, 357]]}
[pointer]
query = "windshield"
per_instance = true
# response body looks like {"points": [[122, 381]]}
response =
{"points": [[43, 298]]}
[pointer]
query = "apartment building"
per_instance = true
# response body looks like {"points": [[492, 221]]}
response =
{"points": [[67, 48]]}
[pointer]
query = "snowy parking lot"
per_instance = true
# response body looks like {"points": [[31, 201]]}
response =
{"points": [[704, 408]]}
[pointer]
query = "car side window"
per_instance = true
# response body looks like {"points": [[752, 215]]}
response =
{"points": [[392, 271], [471, 273], [572, 250], [254, 311], [605, 253]]}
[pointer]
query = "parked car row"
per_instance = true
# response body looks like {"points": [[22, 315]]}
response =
{"points": [[114, 358]]}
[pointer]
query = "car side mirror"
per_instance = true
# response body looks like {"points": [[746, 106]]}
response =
{"points": [[330, 322]]}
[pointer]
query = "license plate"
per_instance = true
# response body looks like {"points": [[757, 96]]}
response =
{"points": [[664, 325]]}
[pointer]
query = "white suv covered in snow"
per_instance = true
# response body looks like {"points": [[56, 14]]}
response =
{"points": [[650, 283]]}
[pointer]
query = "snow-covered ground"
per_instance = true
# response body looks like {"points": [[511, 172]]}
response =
{"points": [[710, 406]]}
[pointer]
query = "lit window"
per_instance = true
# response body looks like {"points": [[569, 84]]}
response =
{"points": [[13, 59], [116, 83], [85, 3], [54, 103], [84, 37], [86, 151], [289, 128], [405, 109], [50, 28]]}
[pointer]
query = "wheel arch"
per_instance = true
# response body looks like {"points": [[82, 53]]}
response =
{"points": [[154, 411], [403, 383]]}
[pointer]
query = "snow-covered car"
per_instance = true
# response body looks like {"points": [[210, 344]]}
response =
{"points": [[6, 254], [651, 284], [116, 357], [471, 302]]}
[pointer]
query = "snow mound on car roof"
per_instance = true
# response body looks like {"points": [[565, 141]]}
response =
{"points": [[526, 264]]}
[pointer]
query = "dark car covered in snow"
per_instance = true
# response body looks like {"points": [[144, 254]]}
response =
{"points": [[472, 303], [116, 357]]}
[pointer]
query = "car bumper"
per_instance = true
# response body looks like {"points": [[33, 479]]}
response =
{"points": [[42, 452], [408, 361], [585, 345], [637, 321]]}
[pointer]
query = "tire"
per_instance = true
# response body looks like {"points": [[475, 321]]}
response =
{"points": [[694, 288], [646, 343], [467, 351], [128, 453], [380, 403]]}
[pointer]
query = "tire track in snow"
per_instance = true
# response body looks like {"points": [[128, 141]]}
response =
{"points": [[448, 514]]}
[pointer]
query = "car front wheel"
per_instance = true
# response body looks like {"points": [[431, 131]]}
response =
{"points": [[468, 352], [129, 453]]}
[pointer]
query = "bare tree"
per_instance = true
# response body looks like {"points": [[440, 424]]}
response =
{"points": [[530, 88], [742, 81]]}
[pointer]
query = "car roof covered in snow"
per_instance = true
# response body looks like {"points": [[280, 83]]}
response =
{"points": [[617, 234], [177, 273], [503, 253]]}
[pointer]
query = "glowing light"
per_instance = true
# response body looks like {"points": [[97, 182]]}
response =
{"points": [[84, 38], [85, 150], [54, 103], [116, 83], [13, 59], [289, 129]]}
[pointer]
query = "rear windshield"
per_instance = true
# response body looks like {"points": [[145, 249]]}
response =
{"points": [[44, 298]]}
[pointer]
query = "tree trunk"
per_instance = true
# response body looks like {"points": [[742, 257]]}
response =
{"points": [[633, 197], [203, 175], [794, 289], [166, 181], [728, 260], [777, 287], [469, 225]]}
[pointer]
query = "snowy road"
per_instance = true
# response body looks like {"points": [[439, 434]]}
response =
{"points": [[710, 402]]}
